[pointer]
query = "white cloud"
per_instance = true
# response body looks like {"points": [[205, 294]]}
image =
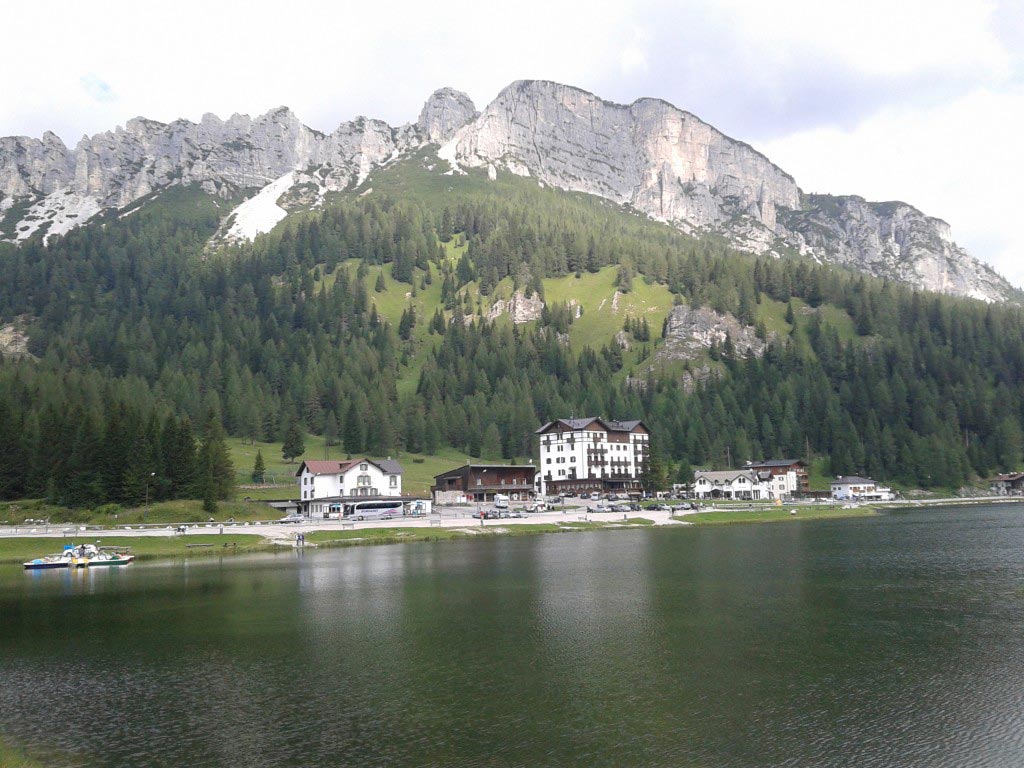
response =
{"points": [[633, 58], [96, 88], [876, 37]]}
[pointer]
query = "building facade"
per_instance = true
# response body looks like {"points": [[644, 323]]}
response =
{"points": [[480, 482], [744, 484], [320, 481], [854, 488], [793, 470], [592, 454], [1008, 485]]}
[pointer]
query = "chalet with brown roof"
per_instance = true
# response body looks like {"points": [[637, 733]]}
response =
{"points": [[1011, 484]]}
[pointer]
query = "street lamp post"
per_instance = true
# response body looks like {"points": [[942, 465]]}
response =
{"points": [[146, 508]]}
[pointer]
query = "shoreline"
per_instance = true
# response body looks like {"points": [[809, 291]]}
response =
{"points": [[165, 543]]}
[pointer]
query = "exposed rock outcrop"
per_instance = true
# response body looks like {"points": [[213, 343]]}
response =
{"points": [[892, 240], [675, 168], [690, 332], [445, 112], [14, 339], [520, 308], [113, 169], [659, 159]]}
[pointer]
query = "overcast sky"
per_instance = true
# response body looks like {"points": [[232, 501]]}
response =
{"points": [[916, 100]]}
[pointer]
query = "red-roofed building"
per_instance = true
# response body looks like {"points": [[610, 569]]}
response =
{"points": [[320, 480]]}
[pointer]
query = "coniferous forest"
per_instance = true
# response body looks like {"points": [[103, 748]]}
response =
{"points": [[148, 346]]}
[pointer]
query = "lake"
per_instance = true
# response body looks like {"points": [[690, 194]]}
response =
{"points": [[889, 641]]}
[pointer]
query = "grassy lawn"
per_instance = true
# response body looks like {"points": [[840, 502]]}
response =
{"points": [[166, 512], [595, 293], [12, 757], [774, 514], [18, 550]]}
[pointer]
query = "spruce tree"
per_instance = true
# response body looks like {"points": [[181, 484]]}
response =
{"points": [[491, 447], [259, 469], [331, 432], [294, 442]]}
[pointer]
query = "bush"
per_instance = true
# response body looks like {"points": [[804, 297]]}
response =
{"points": [[110, 510]]}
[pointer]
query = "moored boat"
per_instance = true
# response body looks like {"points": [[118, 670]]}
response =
{"points": [[47, 562], [89, 555]]}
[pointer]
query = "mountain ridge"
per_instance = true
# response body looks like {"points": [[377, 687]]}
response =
{"points": [[662, 161]]}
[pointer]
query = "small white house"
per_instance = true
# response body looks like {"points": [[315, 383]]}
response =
{"points": [[344, 479], [854, 488], [743, 484]]}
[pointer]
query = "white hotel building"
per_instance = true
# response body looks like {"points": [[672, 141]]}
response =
{"points": [[593, 454], [325, 484]]}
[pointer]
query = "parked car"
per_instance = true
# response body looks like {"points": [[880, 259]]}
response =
{"points": [[292, 517], [620, 508], [634, 507], [585, 496], [601, 508]]}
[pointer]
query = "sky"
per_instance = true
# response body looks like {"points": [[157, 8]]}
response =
{"points": [[916, 100]]}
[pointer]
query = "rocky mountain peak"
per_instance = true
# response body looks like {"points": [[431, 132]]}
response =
{"points": [[649, 155], [444, 113]]}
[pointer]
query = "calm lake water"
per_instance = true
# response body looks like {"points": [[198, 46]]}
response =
{"points": [[891, 641]]}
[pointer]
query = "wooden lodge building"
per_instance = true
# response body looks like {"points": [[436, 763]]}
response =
{"points": [[480, 482]]}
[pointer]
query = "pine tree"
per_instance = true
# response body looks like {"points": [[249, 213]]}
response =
{"points": [[331, 429], [216, 474], [491, 447], [353, 436], [294, 442], [259, 469]]}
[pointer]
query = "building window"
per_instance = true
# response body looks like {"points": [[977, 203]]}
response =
{"points": [[394, 481], [363, 467]]}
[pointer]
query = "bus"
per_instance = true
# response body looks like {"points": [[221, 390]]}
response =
{"points": [[373, 510]]}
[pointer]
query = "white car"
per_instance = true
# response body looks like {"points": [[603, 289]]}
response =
{"points": [[293, 517]]}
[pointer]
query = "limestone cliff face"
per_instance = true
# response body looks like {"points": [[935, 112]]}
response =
{"points": [[648, 155], [113, 169], [892, 240], [673, 167], [445, 112]]}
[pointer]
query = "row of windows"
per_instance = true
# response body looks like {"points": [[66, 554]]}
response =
{"points": [[361, 480]]}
